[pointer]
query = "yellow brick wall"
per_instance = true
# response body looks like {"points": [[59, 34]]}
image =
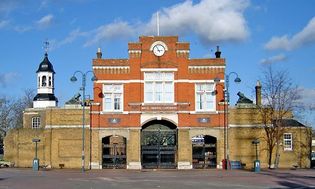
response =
{"points": [[62, 144]]}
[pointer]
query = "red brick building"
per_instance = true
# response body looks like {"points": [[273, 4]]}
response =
{"points": [[158, 100]]}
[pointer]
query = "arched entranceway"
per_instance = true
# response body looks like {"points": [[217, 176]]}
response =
{"points": [[158, 145], [204, 152], [114, 152]]}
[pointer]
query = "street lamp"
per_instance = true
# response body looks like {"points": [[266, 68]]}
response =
{"points": [[256, 162], [226, 113], [36, 160], [74, 79], [256, 142]]}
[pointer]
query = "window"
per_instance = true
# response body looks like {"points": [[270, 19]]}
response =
{"points": [[44, 81], [205, 100], [36, 122], [49, 82], [287, 141], [159, 87], [113, 94]]}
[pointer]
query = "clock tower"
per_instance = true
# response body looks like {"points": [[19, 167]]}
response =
{"points": [[45, 85]]}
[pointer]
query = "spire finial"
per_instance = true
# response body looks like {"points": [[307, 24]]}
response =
{"points": [[158, 23], [46, 46]]}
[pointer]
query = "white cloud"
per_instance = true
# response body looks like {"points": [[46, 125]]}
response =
{"points": [[274, 59], [6, 78], [45, 21], [4, 23], [116, 30], [43, 4], [73, 35], [22, 29], [307, 97], [302, 38], [210, 20]]}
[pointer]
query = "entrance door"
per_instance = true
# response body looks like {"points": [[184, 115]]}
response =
{"points": [[158, 147], [204, 152], [114, 152]]}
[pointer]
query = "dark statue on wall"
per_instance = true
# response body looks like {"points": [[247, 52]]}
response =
{"points": [[75, 99], [243, 99]]}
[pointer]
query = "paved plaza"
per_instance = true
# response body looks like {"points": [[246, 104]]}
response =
{"points": [[13, 178]]}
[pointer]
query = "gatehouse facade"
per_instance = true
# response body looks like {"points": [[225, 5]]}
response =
{"points": [[158, 100], [156, 109]]}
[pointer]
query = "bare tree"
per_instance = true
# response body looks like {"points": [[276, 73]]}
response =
{"points": [[280, 97], [26, 101], [6, 117], [11, 111]]}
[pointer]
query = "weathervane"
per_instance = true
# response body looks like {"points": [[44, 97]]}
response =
{"points": [[46, 46]]}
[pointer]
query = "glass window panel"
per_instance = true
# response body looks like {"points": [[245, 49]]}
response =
{"points": [[168, 97], [168, 76], [168, 87], [148, 87], [108, 102], [107, 88], [117, 103], [158, 76], [199, 101], [158, 87], [149, 96], [158, 97], [208, 87]]}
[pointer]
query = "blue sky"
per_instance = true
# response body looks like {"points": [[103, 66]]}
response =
{"points": [[251, 34]]}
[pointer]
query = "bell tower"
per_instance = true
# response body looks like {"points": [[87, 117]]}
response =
{"points": [[45, 84]]}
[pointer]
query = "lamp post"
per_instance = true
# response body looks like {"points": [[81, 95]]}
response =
{"points": [[74, 79], [36, 160], [226, 114], [256, 162]]}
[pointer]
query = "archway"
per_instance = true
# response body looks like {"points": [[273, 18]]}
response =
{"points": [[114, 152], [158, 144], [204, 152]]}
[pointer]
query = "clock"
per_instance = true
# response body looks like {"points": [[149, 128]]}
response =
{"points": [[158, 50]]}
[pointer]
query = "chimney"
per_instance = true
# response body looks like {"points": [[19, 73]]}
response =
{"points": [[218, 52], [99, 53], [258, 93]]}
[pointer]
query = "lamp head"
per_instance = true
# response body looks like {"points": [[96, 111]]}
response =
{"points": [[73, 79], [237, 80], [256, 141], [216, 80], [94, 78]]}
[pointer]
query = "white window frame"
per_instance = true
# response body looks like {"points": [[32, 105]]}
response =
{"points": [[154, 82], [287, 147], [36, 122], [210, 92], [112, 94]]}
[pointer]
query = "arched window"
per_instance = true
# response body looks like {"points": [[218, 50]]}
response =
{"points": [[38, 82], [49, 82], [44, 82]]}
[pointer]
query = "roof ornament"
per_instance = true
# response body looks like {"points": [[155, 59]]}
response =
{"points": [[158, 23], [46, 47]]}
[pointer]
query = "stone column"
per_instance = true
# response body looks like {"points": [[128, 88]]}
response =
{"points": [[134, 149], [184, 159]]}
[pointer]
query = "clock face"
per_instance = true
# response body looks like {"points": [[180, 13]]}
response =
{"points": [[158, 50]]}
